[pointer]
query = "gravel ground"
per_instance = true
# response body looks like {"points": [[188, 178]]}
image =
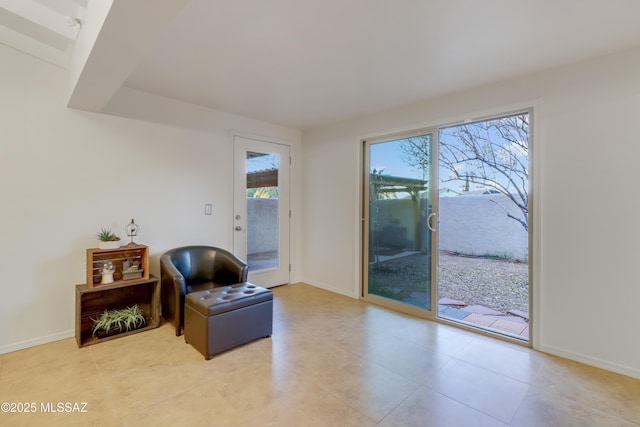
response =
{"points": [[497, 284], [494, 283]]}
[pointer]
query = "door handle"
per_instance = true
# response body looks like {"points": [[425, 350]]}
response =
{"points": [[429, 218], [238, 228]]}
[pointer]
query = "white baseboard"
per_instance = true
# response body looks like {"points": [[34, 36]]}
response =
{"points": [[591, 361], [36, 341]]}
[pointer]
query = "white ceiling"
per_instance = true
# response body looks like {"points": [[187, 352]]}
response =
{"points": [[305, 63]]}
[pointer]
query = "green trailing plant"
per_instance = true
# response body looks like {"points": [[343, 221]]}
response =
{"points": [[122, 320], [107, 236]]}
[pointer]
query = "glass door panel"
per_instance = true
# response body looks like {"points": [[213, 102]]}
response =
{"points": [[262, 210], [398, 210], [483, 270]]}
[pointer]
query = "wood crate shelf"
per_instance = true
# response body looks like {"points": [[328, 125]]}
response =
{"points": [[94, 300], [97, 257]]}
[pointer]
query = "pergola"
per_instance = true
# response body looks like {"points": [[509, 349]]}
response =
{"points": [[263, 178], [385, 184]]}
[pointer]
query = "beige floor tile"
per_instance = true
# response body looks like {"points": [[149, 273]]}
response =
{"points": [[426, 408], [605, 391], [73, 404], [443, 339], [406, 358], [310, 406], [356, 338], [380, 319], [151, 348], [228, 363], [38, 372], [190, 408], [542, 409], [367, 387], [511, 360], [146, 386], [491, 393], [29, 355], [312, 359], [271, 384], [58, 420]]}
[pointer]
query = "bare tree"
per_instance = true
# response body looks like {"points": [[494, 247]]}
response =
{"points": [[416, 152], [492, 154]]}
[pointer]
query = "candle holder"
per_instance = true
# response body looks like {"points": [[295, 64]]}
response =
{"points": [[107, 273], [132, 231]]}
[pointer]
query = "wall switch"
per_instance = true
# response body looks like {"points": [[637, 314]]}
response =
{"points": [[208, 209]]}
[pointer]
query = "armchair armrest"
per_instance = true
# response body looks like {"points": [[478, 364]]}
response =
{"points": [[169, 272], [173, 288], [229, 269]]}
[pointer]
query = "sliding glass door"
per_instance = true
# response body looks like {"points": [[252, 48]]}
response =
{"points": [[446, 224], [399, 222]]}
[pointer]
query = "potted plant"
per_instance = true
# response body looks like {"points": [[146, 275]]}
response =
{"points": [[108, 239], [112, 322]]}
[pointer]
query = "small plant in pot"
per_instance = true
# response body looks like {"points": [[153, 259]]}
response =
{"points": [[112, 322], [108, 239]]}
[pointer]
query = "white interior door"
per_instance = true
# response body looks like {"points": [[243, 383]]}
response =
{"points": [[261, 209]]}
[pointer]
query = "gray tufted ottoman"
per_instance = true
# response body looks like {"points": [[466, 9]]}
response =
{"points": [[222, 318]]}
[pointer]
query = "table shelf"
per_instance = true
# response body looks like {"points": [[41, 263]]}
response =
{"points": [[91, 301], [97, 257]]}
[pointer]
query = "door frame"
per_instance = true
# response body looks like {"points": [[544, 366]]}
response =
{"points": [[364, 223], [288, 240]]}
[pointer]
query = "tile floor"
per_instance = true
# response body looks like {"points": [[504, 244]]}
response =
{"points": [[332, 361]]}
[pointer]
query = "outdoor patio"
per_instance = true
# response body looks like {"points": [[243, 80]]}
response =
{"points": [[262, 260], [514, 323], [485, 292]]}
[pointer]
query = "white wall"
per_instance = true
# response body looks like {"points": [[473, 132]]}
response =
{"points": [[477, 224], [65, 173], [585, 152], [262, 225]]}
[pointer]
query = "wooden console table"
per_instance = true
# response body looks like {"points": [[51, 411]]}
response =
{"points": [[91, 301]]}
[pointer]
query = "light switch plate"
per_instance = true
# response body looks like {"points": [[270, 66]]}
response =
{"points": [[208, 209]]}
